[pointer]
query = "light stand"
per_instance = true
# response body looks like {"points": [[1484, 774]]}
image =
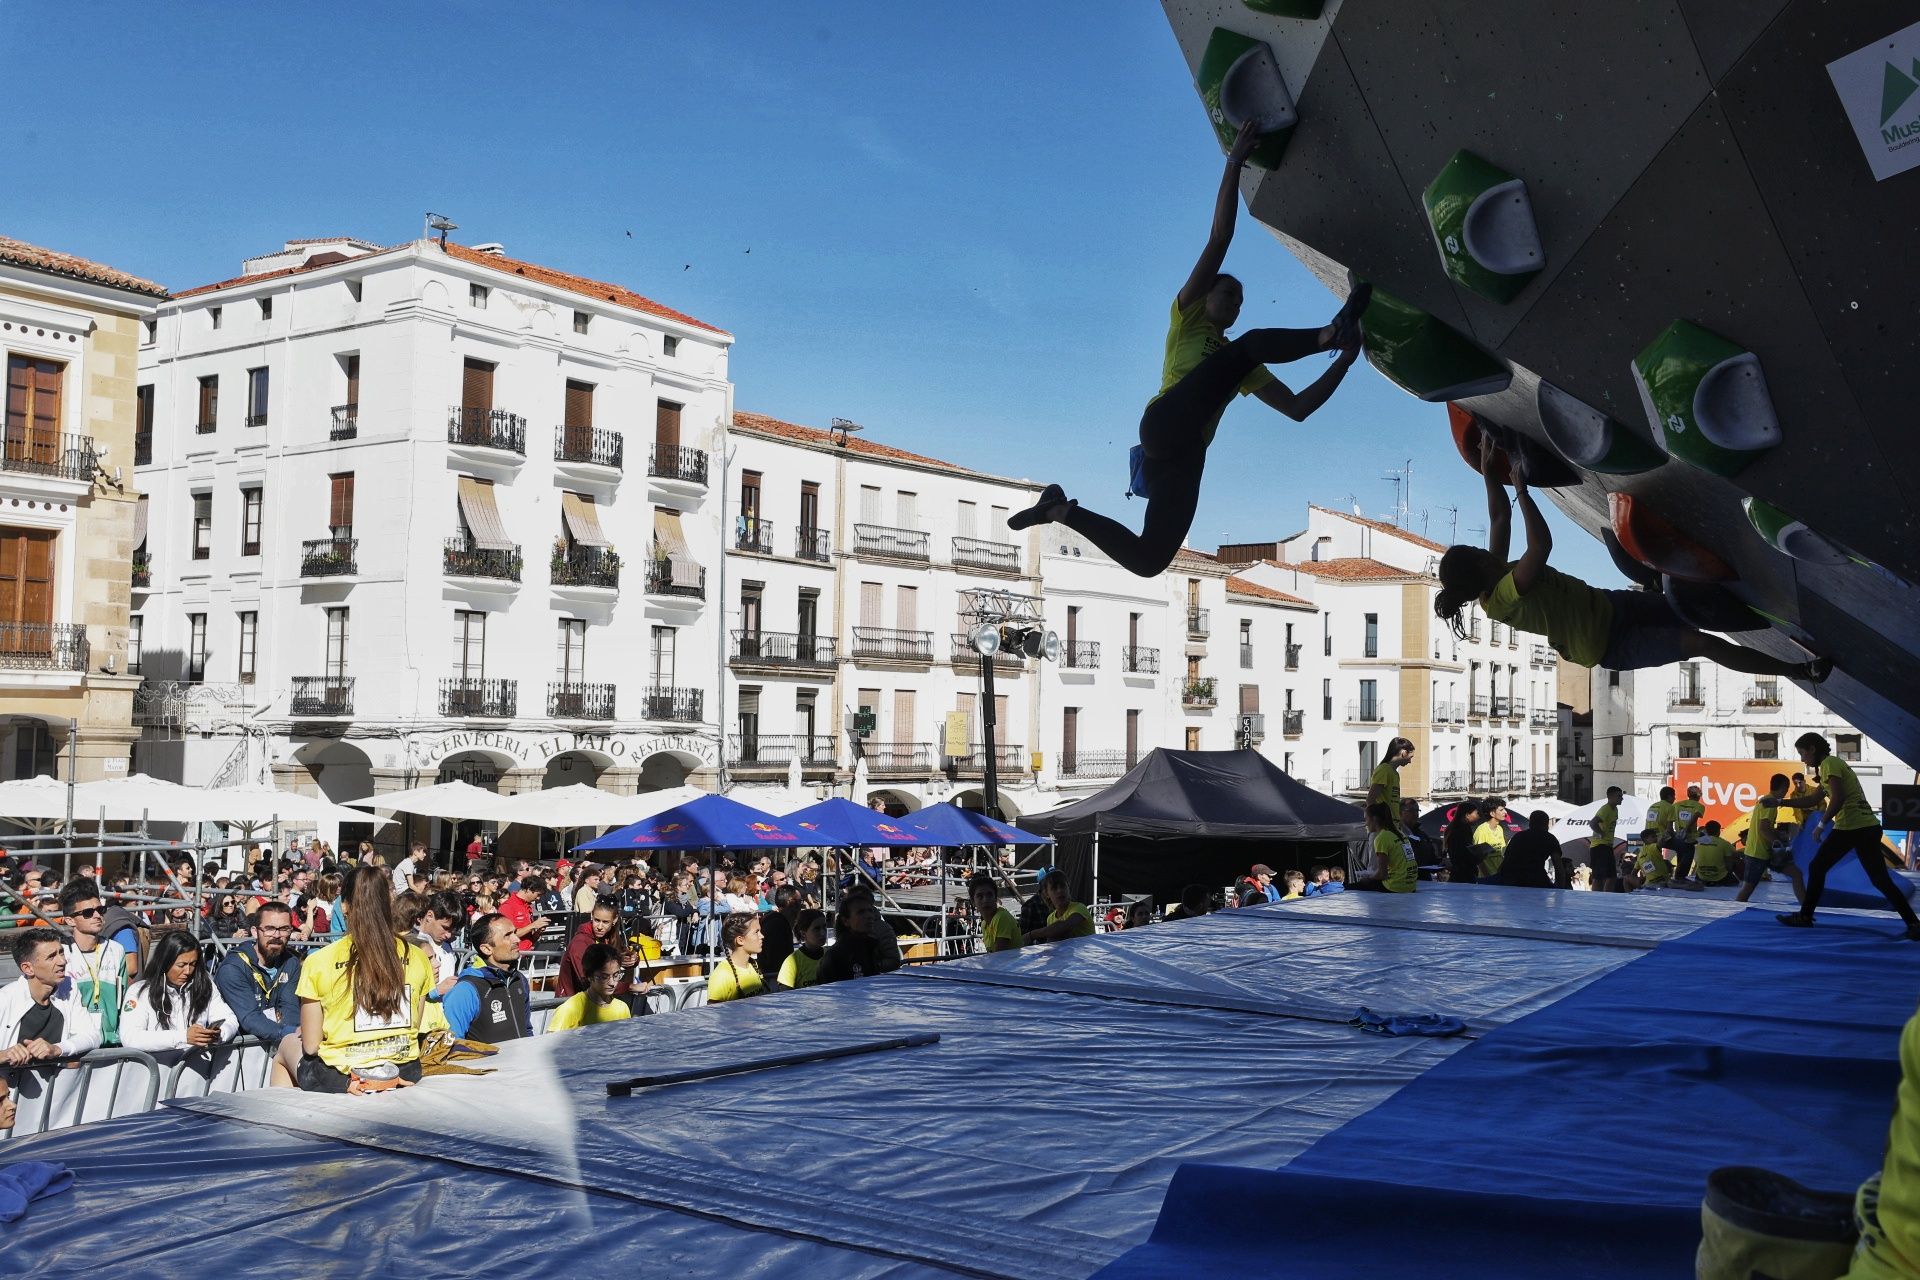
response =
{"points": [[1001, 619]]}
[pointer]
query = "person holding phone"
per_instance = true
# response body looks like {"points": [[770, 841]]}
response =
{"points": [[175, 1005]]}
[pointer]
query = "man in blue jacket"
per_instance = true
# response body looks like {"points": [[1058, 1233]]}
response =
{"points": [[258, 980], [491, 1002]]}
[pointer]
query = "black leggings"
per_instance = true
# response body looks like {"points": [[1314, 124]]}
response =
{"points": [[1173, 431], [1864, 843]]}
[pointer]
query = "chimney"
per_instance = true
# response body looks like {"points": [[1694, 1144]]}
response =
{"points": [[493, 249]]}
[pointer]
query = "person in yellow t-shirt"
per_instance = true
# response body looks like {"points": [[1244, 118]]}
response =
{"points": [[1065, 917], [1658, 825], [1887, 1208], [1202, 371], [736, 977], [1393, 866], [1490, 839], [1601, 861], [1383, 787], [999, 931], [1770, 842], [1856, 830], [1713, 858], [801, 968], [1619, 630], [363, 997], [1651, 868], [1792, 819], [1688, 814], [1296, 886], [598, 1003]]}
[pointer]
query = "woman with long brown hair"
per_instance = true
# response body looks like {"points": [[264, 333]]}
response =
{"points": [[362, 998]]}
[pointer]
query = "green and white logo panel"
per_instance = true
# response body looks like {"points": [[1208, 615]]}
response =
{"points": [[1792, 537], [1879, 88], [1425, 357]]}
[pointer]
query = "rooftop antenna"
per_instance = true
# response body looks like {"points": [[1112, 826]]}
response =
{"points": [[442, 223], [1399, 516], [1353, 502], [1453, 524], [844, 428]]}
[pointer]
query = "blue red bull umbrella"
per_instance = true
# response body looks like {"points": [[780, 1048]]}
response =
{"points": [[840, 822], [710, 822], [943, 824]]}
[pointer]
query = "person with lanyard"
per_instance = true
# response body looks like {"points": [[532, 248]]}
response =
{"points": [[1601, 861], [736, 977], [1618, 630], [1769, 842], [1855, 830], [1656, 831], [1713, 859], [999, 931], [1490, 839], [260, 981], [363, 998], [1065, 917], [1202, 372], [801, 968], [101, 969], [1383, 787], [1393, 869], [491, 1003], [599, 1001], [1651, 869]]}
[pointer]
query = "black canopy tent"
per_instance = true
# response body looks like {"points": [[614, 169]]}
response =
{"points": [[1194, 817]]}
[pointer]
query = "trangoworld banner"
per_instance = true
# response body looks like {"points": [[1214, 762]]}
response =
{"points": [[1880, 88]]}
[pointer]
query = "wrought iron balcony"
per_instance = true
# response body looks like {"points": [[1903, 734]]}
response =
{"points": [[688, 582], [60, 457], [813, 544], [256, 420], [1501, 704], [142, 448], [750, 533], [887, 543], [204, 427], [142, 570], [589, 447], [1479, 704], [1197, 693], [567, 700], [1361, 712], [1450, 781], [784, 649], [1481, 781], [472, 696], [1198, 626], [1293, 657], [665, 702], [1763, 697], [1293, 723], [329, 558], [463, 560], [1008, 758], [896, 757], [778, 751], [585, 567], [322, 696], [1081, 655], [977, 553], [678, 462], [1138, 661], [1094, 764], [1541, 656], [346, 422], [43, 646], [892, 645], [1684, 697], [487, 429], [1545, 718]]}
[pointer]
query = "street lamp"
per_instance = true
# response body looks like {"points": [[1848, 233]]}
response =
{"points": [[1002, 620]]}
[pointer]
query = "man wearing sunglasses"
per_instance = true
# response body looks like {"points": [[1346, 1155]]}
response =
{"points": [[100, 968]]}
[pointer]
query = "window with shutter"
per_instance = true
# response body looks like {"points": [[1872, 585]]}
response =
{"points": [[196, 646], [476, 386], [353, 381], [809, 505], [1069, 739], [26, 588], [903, 711], [579, 408], [908, 605], [1133, 738], [209, 403], [249, 640], [666, 425], [257, 397], [1249, 699], [340, 504], [870, 604], [337, 648], [33, 409]]}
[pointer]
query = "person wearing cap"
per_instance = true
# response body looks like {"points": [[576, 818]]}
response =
{"points": [[1258, 886]]}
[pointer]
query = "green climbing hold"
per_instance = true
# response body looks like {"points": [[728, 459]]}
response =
{"points": [[1706, 399], [1588, 438], [1792, 537], [1239, 80], [1306, 9], [1482, 221], [1424, 357]]}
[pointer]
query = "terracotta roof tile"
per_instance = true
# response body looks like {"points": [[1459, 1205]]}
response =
{"points": [[1241, 586], [761, 424], [1349, 569], [52, 261], [1382, 526]]}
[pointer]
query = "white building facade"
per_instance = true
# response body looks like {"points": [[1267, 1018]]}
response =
{"points": [[423, 513]]}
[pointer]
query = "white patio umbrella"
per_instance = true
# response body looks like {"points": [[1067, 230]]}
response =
{"points": [[860, 781], [141, 796], [253, 807], [793, 772], [441, 800], [572, 807], [35, 803]]}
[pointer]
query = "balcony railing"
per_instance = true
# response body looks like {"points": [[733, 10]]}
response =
{"points": [[1480, 781], [1365, 712], [322, 696], [777, 751], [330, 558], [1197, 624], [43, 646], [813, 544], [1763, 698], [346, 422], [1543, 718], [204, 427], [897, 757], [142, 448], [889, 543], [753, 534], [1479, 705], [465, 561], [1293, 657], [1451, 780], [1448, 713], [1517, 710], [1293, 723], [1473, 630], [964, 654], [664, 580], [784, 649], [256, 419], [892, 645], [473, 696], [1095, 764], [142, 565], [1197, 693], [585, 567], [1138, 661], [977, 553], [61, 457], [1541, 656], [568, 700], [1501, 704], [589, 446], [1007, 758], [1684, 697], [668, 703], [678, 462], [487, 429], [1081, 655]]}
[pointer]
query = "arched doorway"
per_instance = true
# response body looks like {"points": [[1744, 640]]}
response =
{"points": [[339, 771], [664, 770], [976, 800], [897, 803], [569, 769], [451, 837]]}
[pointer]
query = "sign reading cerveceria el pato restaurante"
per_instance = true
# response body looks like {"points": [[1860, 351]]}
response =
{"points": [[1879, 86]]}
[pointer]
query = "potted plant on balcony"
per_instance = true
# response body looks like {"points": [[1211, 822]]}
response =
{"points": [[1200, 690]]}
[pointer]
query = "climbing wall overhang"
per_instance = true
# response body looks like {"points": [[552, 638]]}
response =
{"points": [[1710, 238]]}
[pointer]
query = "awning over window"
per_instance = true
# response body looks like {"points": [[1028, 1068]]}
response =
{"points": [[483, 518], [583, 520], [140, 522], [670, 544]]}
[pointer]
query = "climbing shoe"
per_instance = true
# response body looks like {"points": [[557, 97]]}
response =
{"points": [[1754, 1222]]}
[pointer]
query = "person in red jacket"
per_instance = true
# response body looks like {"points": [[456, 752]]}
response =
{"points": [[601, 926]]}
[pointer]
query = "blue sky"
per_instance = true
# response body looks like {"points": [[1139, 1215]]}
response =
{"points": [[959, 225]]}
